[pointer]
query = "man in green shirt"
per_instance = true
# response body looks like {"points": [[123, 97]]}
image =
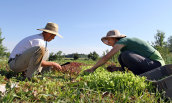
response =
{"points": [[137, 55]]}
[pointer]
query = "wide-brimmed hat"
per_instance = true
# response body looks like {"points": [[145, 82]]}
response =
{"points": [[51, 28], [112, 34]]}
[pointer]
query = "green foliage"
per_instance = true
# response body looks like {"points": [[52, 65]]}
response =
{"points": [[169, 43], [2, 48], [57, 56], [164, 51], [52, 57], [75, 56], [113, 58], [168, 58], [123, 86], [98, 87], [71, 55], [159, 39], [162, 46], [93, 55], [116, 81]]}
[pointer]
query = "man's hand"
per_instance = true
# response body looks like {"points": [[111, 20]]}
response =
{"points": [[56, 66]]}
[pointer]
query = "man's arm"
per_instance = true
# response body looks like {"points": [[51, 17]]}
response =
{"points": [[105, 58], [53, 64]]}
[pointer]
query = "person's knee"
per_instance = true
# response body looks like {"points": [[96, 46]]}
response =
{"points": [[40, 49], [125, 55]]}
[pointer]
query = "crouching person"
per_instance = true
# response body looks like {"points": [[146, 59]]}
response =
{"points": [[137, 55], [30, 54]]}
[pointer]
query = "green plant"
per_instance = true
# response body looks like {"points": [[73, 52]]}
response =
{"points": [[100, 86], [2, 48], [75, 56], [94, 56]]}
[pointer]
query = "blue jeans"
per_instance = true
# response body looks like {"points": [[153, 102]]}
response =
{"points": [[137, 63]]}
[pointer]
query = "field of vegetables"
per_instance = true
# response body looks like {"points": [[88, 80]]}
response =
{"points": [[72, 85]]}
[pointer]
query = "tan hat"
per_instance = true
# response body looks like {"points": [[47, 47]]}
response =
{"points": [[51, 28], [112, 34]]}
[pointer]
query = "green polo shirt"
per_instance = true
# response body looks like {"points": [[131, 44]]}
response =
{"points": [[140, 47]]}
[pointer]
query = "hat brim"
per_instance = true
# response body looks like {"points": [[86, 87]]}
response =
{"points": [[55, 33], [105, 39]]}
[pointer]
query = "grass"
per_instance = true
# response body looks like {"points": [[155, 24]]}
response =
{"points": [[100, 86]]}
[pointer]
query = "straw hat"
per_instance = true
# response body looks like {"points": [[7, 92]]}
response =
{"points": [[112, 34], [51, 28]]}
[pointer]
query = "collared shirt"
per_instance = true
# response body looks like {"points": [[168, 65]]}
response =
{"points": [[26, 43]]}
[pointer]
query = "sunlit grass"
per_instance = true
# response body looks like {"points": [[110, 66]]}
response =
{"points": [[100, 86]]}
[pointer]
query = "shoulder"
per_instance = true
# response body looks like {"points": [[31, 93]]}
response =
{"points": [[36, 40], [37, 37], [123, 40], [131, 40]]}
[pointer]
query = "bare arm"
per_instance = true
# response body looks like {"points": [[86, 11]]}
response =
{"points": [[105, 58], [46, 63], [53, 64]]}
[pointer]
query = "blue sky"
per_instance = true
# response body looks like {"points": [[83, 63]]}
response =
{"points": [[82, 23]]}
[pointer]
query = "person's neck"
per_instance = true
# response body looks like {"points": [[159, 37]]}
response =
{"points": [[43, 35]]}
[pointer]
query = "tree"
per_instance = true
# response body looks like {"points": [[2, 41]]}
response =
{"points": [[59, 55], [160, 44], [159, 39], [169, 43], [90, 55], [52, 57], [75, 56], [2, 48], [94, 56]]}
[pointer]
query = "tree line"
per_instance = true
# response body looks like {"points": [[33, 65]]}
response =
{"points": [[74, 56]]}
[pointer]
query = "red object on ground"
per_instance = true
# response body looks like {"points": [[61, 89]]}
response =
{"points": [[72, 68]]}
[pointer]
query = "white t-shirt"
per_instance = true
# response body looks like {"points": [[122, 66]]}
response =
{"points": [[26, 43]]}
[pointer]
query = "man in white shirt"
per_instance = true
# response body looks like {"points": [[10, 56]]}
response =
{"points": [[30, 54]]}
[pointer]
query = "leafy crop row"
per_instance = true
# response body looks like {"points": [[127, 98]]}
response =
{"points": [[100, 86]]}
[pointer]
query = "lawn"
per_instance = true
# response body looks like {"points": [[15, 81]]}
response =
{"points": [[75, 86]]}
